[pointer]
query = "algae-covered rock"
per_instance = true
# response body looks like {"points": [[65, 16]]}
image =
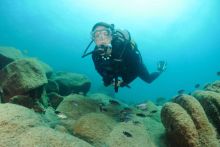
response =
{"points": [[129, 135], [207, 134], [20, 126], [14, 121], [75, 105], [54, 99], [52, 86], [20, 77], [102, 98], [8, 55], [46, 137], [94, 128], [47, 69], [180, 128], [23, 100], [147, 106], [71, 83], [211, 104], [155, 130], [215, 87]]}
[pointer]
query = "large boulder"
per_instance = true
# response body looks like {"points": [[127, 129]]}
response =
{"points": [[186, 119], [181, 130], [71, 83], [207, 134], [54, 99], [47, 68], [94, 128], [211, 104], [8, 55], [102, 98], [20, 77], [20, 126], [14, 121], [74, 106], [215, 87], [46, 137], [129, 135]]}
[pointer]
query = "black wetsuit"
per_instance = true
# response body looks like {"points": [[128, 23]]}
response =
{"points": [[128, 64]]}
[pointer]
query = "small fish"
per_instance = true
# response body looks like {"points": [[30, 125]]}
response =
{"points": [[153, 111], [127, 134], [141, 114], [127, 109], [218, 73], [75, 104], [62, 116], [135, 122], [101, 108], [57, 112], [181, 91], [114, 102], [197, 85], [142, 106]]}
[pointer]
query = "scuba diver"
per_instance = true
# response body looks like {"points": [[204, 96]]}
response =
{"points": [[117, 58]]}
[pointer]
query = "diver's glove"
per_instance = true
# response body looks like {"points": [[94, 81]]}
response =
{"points": [[161, 66]]}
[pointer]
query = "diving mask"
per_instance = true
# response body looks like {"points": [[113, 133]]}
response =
{"points": [[101, 34]]}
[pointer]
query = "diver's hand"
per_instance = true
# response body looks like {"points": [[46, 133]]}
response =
{"points": [[119, 84], [161, 66]]}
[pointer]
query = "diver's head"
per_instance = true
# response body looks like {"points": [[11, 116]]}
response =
{"points": [[102, 33]]}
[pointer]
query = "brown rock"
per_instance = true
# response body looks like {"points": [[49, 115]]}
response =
{"points": [[211, 104], [75, 106], [20, 77], [215, 87], [71, 83], [180, 128], [207, 134], [8, 55], [129, 135], [94, 128], [54, 99]]}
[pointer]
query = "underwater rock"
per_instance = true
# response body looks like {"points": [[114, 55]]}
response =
{"points": [[102, 98], [207, 134], [75, 106], [71, 83], [180, 129], [52, 86], [23, 100], [61, 129], [8, 55], [213, 87], [54, 99], [148, 106], [147, 109], [211, 104], [155, 130], [14, 121], [20, 77], [129, 135], [46, 137], [47, 69], [94, 128], [20, 126]]}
